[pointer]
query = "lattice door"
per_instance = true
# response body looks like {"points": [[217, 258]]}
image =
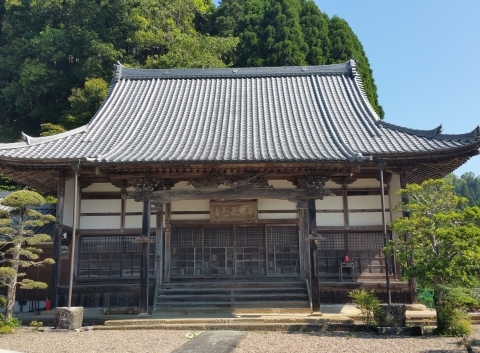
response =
{"points": [[235, 251], [250, 251], [282, 250]]}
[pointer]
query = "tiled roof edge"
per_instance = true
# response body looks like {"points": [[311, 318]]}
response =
{"points": [[127, 73], [472, 135], [29, 140], [434, 133]]}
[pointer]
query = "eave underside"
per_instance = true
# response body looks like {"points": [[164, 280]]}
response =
{"points": [[44, 176]]}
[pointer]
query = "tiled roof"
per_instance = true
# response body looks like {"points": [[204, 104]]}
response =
{"points": [[313, 113]]}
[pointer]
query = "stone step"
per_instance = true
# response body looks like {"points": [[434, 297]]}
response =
{"points": [[228, 304], [233, 284], [241, 296], [217, 294]]}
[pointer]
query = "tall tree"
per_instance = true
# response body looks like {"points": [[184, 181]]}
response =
{"points": [[444, 239], [17, 244]]}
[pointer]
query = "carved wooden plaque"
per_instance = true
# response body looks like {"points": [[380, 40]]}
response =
{"points": [[234, 211]]}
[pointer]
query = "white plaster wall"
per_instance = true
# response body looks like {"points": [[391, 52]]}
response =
{"points": [[367, 218], [100, 222], [269, 204], [135, 222], [133, 206], [330, 220], [101, 187], [192, 217], [330, 203], [282, 184], [191, 205], [68, 203], [395, 199], [365, 202], [331, 185], [365, 183], [183, 185], [101, 206]]}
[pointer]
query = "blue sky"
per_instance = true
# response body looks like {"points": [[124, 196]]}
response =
{"points": [[425, 57]]}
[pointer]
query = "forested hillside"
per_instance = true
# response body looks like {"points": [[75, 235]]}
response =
{"points": [[57, 56], [468, 186]]}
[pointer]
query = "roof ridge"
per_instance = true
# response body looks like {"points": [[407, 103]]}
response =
{"points": [[346, 68]]}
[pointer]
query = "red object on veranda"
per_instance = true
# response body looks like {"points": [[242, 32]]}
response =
{"points": [[346, 258], [48, 304]]}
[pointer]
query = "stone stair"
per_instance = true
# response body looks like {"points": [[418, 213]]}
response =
{"points": [[239, 293]]}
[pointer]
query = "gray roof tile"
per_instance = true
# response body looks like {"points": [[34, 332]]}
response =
{"points": [[316, 113]]}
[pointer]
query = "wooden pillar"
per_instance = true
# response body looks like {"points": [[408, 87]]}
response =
{"points": [[57, 238], [123, 202], [167, 262], [412, 282], [381, 167], [73, 252], [303, 232], [144, 242], [312, 227], [158, 251]]}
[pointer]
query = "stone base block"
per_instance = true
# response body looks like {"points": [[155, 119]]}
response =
{"points": [[411, 330], [391, 315], [68, 318]]}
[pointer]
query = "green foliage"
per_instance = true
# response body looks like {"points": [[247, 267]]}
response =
{"points": [[452, 305], [36, 324], [195, 51], [85, 102], [468, 186], [367, 303], [443, 238], [8, 325], [17, 249], [49, 129], [23, 198], [7, 184]]}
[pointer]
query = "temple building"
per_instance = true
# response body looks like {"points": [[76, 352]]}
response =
{"points": [[262, 187]]}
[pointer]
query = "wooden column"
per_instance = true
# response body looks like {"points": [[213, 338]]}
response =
{"points": [[73, 251], [158, 251], [57, 237], [303, 232], [412, 282], [167, 262], [381, 166], [312, 227], [123, 202], [144, 242]]}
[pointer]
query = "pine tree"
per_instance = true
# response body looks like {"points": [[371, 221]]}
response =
{"points": [[18, 240]]}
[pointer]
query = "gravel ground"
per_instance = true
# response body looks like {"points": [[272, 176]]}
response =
{"points": [[160, 341]]}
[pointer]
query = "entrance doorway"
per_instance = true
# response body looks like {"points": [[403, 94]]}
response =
{"points": [[235, 250]]}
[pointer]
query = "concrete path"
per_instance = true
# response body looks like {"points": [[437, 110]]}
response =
{"points": [[212, 342]]}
